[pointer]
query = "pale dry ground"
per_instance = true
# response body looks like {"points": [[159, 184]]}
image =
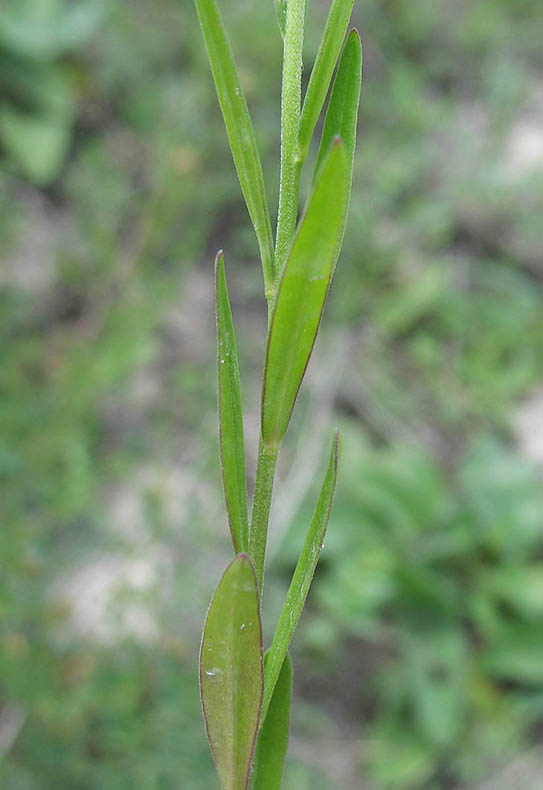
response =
{"points": [[524, 773], [340, 760], [113, 596]]}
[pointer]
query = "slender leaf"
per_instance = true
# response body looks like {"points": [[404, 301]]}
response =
{"points": [[300, 299], [230, 415], [342, 113], [301, 579], [239, 129], [281, 11], [271, 747], [231, 673], [323, 68]]}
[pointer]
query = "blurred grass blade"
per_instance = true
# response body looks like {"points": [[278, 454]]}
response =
{"points": [[301, 579], [342, 113], [271, 747], [300, 298], [239, 130], [281, 11], [323, 68], [231, 673], [230, 415]]}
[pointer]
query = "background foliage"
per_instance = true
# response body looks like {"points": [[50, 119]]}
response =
{"points": [[419, 660]]}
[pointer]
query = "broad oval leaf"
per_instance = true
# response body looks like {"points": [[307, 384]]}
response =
{"points": [[239, 129], [301, 294], [272, 744], [231, 673], [323, 68], [230, 414], [301, 579]]}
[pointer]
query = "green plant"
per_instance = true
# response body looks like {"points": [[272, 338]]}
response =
{"points": [[245, 695], [435, 298], [37, 95], [454, 569]]}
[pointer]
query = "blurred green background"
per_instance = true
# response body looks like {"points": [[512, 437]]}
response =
{"points": [[419, 661]]}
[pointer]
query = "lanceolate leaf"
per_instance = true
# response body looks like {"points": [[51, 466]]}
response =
{"points": [[301, 295], [342, 113], [239, 130], [271, 747], [230, 415], [323, 68], [231, 673], [301, 580]]}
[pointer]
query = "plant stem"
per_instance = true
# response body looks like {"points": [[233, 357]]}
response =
{"points": [[291, 163], [265, 472]]}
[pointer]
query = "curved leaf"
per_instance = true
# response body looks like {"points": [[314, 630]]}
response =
{"points": [[239, 129], [323, 68], [230, 414], [301, 579], [342, 113], [231, 673], [271, 747], [300, 298]]}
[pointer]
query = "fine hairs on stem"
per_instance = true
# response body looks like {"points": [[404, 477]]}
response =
{"points": [[246, 692]]}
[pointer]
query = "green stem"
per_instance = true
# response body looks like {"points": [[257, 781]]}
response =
{"points": [[265, 472], [291, 164]]}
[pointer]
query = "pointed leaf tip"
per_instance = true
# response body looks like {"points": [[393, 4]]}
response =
{"points": [[239, 129], [301, 295], [336, 448], [302, 577], [342, 114], [231, 440], [323, 68]]}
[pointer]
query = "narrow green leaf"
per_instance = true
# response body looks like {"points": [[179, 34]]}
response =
{"points": [[342, 113], [271, 747], [300, 298], [323, 68], [301, 579], [281, 11], [231, 673], [239, 129], [230, 415]]}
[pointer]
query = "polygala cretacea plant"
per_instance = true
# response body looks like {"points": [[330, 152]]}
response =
{"points": [[245, 692]]}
